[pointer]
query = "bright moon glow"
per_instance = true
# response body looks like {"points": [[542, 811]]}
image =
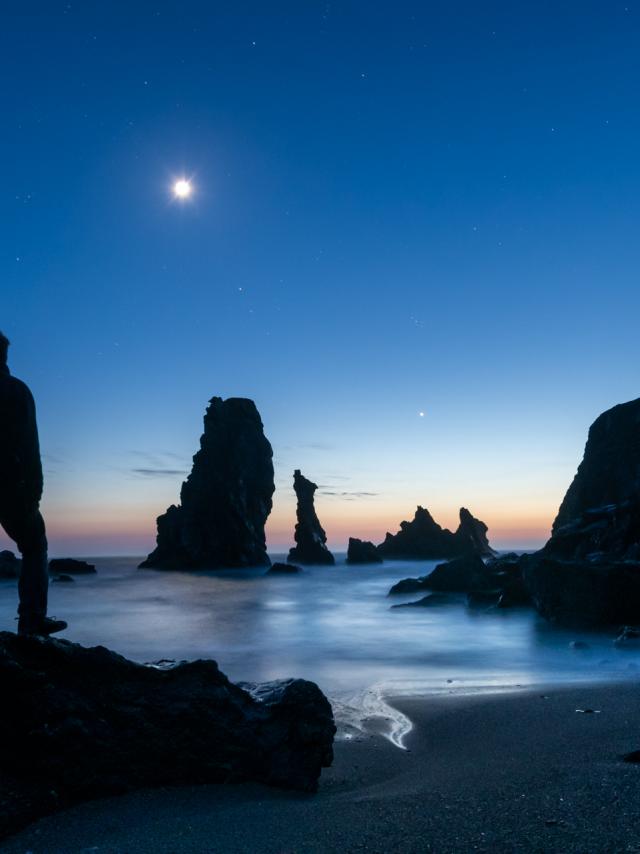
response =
{"points": [[421, 414], [182, 189]]}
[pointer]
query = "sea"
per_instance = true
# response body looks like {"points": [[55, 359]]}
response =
{"points": [[333, 625]]}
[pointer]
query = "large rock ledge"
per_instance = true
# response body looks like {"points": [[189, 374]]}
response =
{"points": [[78, 723]]}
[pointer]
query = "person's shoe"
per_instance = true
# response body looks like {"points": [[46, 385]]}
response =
{"points": [[43, 626]]}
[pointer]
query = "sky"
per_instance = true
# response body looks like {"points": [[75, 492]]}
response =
{"points": [[397, 208]]}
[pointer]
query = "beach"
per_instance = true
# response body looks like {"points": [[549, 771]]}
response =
{"points": [[523, 770]]}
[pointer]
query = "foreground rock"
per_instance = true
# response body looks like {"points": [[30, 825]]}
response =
{"points": [[310, 547], [424, 539], [9, 565], [226, 499], [362, 551], [85, 723], [588, 573], [69, 566]]}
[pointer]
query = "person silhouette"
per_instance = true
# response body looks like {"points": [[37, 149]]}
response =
{"points": [[20, 493]]}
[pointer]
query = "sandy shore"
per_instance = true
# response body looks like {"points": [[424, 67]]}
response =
{"points": [[509, 772]]}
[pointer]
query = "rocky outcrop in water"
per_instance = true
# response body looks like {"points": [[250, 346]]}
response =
{"points": [[588, 573], [70, 566], [362, 551], [283, 569], [87, 723], [310, 547], [424, 539], [225, 501], [495, 582]]}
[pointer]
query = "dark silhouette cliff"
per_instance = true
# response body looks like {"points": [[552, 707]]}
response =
{"points": [[309, 535], [225, 501], [424, 539]]}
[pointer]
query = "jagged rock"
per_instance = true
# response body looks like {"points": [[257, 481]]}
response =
{"points": [[9, 565], [600, 515], [430, 601], [461, 575], [309, 535], [362, 551], [588, 573], [85, 723], [226, 499], [409, 585], [64, 579], [69, 566], [424, 539], [283, 569], [583, 593]]}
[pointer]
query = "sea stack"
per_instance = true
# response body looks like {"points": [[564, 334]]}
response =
{"points": [[588, 573], [424, 539], [225, 501], [310, 547]]}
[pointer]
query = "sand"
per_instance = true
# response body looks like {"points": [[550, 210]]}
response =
{"points": [[508, 772]]}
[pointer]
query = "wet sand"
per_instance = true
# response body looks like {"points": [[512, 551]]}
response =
{"points": [[507, 772]]}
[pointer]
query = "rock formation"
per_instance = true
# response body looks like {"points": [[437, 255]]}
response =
{"points": [[310, 547], [283, 569], [496, 582], [225, 501], [600, 514], [86, 723], [69, 566], [362, 551], [588, 573], [424, 539]]}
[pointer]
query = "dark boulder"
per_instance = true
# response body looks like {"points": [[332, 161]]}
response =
{"points": [[424, 539], [310, 547], [9, 565], [69, 566], [226, 499], [409, 585], [583, 593], [461, 575], [431, 601], [283, 569], [362, 551], [87, 723], [63, 579]]}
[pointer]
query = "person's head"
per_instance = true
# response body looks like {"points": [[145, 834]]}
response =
{"points": [[4, 349]]}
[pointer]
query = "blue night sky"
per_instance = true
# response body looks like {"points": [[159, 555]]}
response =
{"points": [[398, 208]]}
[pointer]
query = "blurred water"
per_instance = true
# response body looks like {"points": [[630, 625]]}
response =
{"points": [[333, 625]]}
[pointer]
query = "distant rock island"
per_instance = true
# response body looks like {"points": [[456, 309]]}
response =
{"points": [[362, 551], [424, 539], [227, 498], [310, 547]]}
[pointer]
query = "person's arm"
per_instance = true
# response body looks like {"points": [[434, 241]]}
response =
{"points": [[29, 447]]}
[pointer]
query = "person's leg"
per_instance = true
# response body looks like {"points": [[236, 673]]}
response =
{"points": [[25, 525]]}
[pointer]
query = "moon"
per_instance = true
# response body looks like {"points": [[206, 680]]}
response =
{"points": [[182, 189]]}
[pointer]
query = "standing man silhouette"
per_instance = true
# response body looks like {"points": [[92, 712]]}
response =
{"points": [[20, 494]]}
